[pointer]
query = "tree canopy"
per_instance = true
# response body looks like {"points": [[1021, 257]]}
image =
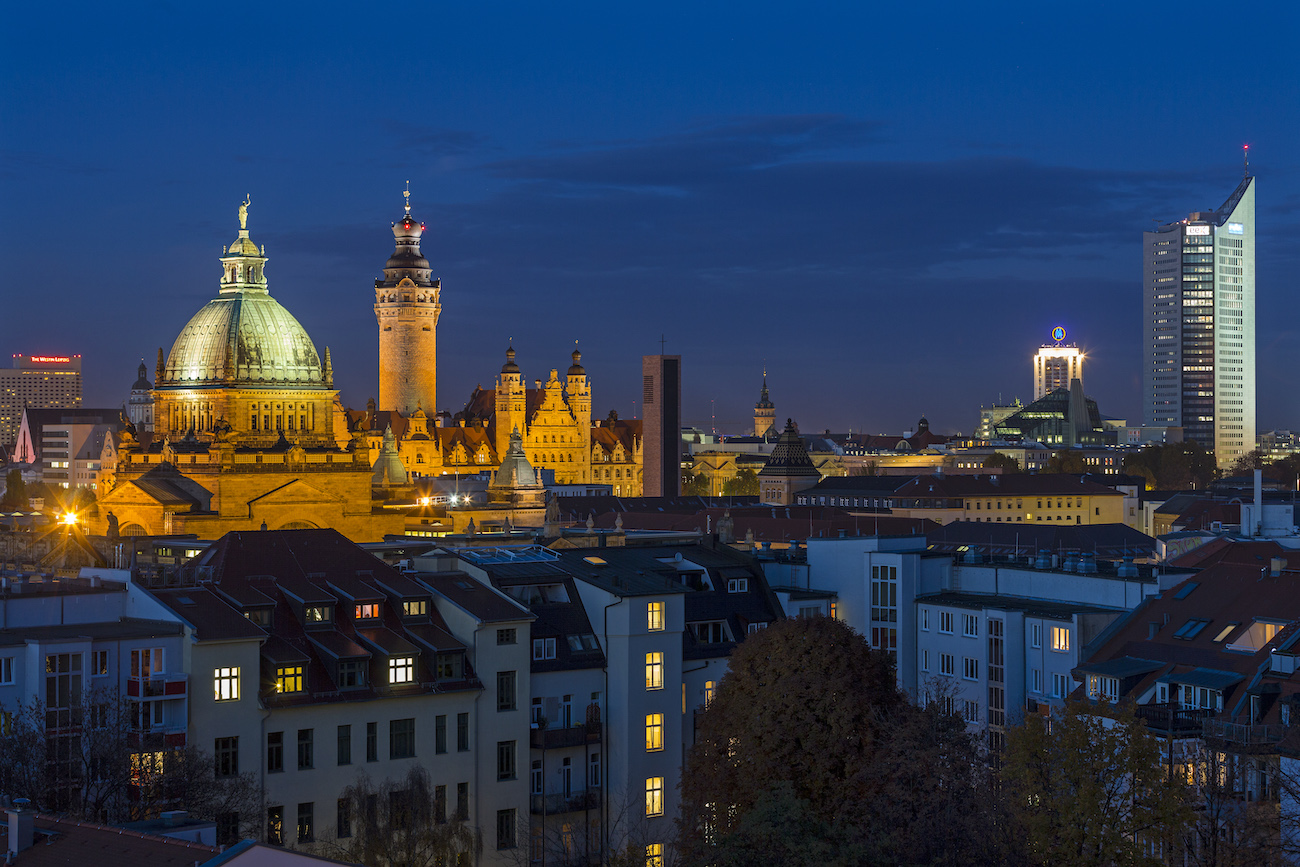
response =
{"points": [[999, 460], [1173, 466], [15, 494], [743, 484], [835, 744]]}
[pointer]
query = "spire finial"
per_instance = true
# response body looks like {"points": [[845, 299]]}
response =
{"points": [[407, 196], [243, 211], [1245, 161]]}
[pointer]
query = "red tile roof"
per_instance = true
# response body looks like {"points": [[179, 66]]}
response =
{"points": [[68, 843]]}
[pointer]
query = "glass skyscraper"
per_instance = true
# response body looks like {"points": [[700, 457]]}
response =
{"points": [[1199, 339]]}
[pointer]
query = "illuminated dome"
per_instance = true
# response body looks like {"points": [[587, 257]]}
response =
{"points": [[243, 336]]}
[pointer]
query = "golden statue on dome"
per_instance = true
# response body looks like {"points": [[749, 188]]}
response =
{"points": [[243, 211]]}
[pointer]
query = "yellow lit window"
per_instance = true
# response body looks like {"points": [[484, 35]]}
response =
{"points": [[655, 616], [654, 855], [367, 611], [709, 688], [418, 608], [654, 732], [288, 678], [654, 796], [225, 682], [654, 671], [1060, 638]]}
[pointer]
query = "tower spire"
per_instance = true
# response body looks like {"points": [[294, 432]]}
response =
{"points": [[1245, 161], [407, 196]]}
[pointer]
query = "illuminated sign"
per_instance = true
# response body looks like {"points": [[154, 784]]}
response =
{"points": [[1236, 229], [1198, 230], [52, 359], [1058, 333]]}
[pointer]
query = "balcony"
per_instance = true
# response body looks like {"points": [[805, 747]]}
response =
{"points": [[573, 736], [158, 686], [574, 802], [1245, 734], [1170, 720]]}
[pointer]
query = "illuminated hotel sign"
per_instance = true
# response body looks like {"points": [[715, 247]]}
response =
{"points": [[1198, 230], [1236, 229], [50, 359], [1058, 334]]}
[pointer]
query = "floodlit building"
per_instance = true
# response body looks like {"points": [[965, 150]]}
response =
{"points": [[39, 382], [1199, 326], [1056, 364]]}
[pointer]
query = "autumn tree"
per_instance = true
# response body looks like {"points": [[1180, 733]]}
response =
{"points": [[694, 484], [405, 822], [836, 742], [1089, 790], [1173, 466], [1006, 463], [1066, 461]]}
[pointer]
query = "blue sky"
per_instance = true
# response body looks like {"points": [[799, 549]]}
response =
{"points": [[888, 207]]}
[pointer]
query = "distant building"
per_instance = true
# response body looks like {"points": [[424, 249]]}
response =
{"points": [[39, 382], [66, 443], [991, 415], [139, 408], [1055, 365], [1063, 418], [764, 413], [1199, 326], [661, 401], [788, 469], [1011, 498]]}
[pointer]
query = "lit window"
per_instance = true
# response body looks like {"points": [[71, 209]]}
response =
{"points": [[654, 671], [367, 611], [418, 608], [226, 683], [654, 796], [401, 669], [1060, 638], [288, 678], [655, 616], [319, 614], [654, 732], [654, 855], [710, 688]]}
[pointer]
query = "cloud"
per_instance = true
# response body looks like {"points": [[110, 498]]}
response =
{"points": [[433, 141]]}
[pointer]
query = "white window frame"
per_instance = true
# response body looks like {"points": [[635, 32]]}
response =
{"points": [[6, 670], [970, 625], [1036, 635], [225, 683], [737, 585], [401, 669], [945, 622], [1060, 639], [654, 613], [970, 668], [925, 619], [947, 664]]}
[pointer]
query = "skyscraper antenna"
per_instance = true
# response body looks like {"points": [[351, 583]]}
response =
{"points": [[1245, 161], [407, 196]]}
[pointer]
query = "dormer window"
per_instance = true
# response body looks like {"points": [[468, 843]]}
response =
{"points": [[319, 614], [289, 679], [401, 669], [451, 666], [738, 585], [352, 673], [415, 608], [367, 611]]}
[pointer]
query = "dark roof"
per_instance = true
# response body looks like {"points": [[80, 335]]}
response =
{"points": [[789, 456], [1005, 484], [1210, 678], [125, 628], [1031, 607], [470, 594], [774, 523], [64, 842], [211, 616], [874, 485], [1106, 540], [1124, 666]]}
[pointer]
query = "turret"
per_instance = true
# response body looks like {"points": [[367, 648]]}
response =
{"points": [[511, 401], [407, 308]]}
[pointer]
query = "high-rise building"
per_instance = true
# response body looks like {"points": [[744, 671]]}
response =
{"points": [[1199, 335], [407, 308], [39, 382], [1055, 364], [661, 399]]}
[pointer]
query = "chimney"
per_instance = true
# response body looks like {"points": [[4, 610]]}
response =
{"points": [[1275, 566], [22, 826], [1258, 517]]}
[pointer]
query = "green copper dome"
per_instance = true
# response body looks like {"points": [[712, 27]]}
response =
{"points": [[243, 336]]}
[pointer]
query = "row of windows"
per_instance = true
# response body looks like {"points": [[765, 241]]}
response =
{"points": [[306, 815]]}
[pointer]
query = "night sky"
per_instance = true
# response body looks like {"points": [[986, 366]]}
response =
{"points": [[889, 208]]}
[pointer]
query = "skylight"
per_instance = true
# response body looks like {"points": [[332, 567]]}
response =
{"points": [[1226, 630], [1191, 629], [1187, 590]]}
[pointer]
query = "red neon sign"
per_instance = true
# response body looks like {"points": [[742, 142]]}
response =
{"points": [[55, 359]]}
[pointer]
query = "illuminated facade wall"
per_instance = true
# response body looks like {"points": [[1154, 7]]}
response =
{"points": [[39, 382], [1054, 367], [1199, 335]]}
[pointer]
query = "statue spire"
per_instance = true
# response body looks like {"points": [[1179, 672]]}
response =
{"points": [[243, 211], [407, 196]]}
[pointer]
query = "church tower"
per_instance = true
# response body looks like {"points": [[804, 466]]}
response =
{"points": [[764, 412], [407, 308], [578, 393]]}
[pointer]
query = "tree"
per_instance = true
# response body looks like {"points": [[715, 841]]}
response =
{"points": [[694, 484], [1173, 466], [1005, 462], [1066, 461], [404, 822], [838, 743], [1255, 459], [15, 495], [743, 484], [1089, 790]]}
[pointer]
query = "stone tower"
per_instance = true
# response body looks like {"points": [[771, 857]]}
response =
{"points": [[407, 308], [578, 393], [764, 412], [511, 402]]}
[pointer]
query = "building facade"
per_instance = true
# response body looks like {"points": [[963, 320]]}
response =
{"points": [[407, 308], [1199, 326], [39, 382], [1056, 364], [661, 406]]}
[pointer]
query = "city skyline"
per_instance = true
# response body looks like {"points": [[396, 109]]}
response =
{"points": [[865, 219]]}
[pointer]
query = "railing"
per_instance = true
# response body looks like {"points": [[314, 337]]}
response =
{"points": [[573, 736], [561, 803], [1170, 719], [158, 686], [1245, 734]]}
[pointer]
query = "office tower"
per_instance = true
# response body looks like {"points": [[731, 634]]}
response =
{"points": [[661, 398], [1055, 364], [40, 382], [1199, 335]]}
